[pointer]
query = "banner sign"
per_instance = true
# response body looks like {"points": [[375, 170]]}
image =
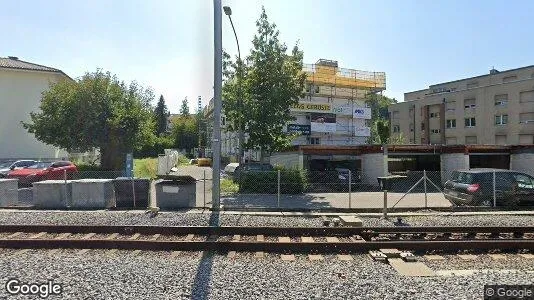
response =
{"points": [[361, 113], [362, 131], [342, 109], [297, 128], [312, 107], [323, 122]]}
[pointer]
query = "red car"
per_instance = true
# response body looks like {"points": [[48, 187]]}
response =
{"points": [[44, 171]]}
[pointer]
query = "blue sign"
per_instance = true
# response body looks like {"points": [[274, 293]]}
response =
{"points": [[129, 165]]}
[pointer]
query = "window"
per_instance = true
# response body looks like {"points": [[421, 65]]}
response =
{"points": [[509, 78], [451, 123], [470, 140], [307, 88], [501, 119], [527, 96], [396, 128], [435, 131], [526, 117], [469, 103], [472, 84], [501, 100], [434, 115], [316, 89], [315, 141], [470, 122], [395, 114], [223, 121], [500, 139], [450, 106], [524, 181]]}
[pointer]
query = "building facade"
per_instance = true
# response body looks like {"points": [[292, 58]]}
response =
{"points": [[332, 112], [21, 85], [497, 108]]}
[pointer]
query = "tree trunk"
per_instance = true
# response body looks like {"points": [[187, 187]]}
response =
{"points": [[111, 156]]}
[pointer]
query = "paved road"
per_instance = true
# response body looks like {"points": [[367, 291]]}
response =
{"points": [[335, 200]]}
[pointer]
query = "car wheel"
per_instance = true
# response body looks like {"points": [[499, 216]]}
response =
{"points": [[486, 202]]}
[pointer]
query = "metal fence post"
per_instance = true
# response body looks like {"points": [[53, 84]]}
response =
{"points": [[350, 188], [494, 191], [133, 192], [424, 183], [278, 188], [204, 188], [385, 209], [65, 188]]}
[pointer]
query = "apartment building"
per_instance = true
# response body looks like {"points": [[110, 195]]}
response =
{"points": [[497, 108]]}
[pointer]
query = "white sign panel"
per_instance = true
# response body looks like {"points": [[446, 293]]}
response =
{"points": [[342, 109], [362, 131], [361, 113], [323, 122]]}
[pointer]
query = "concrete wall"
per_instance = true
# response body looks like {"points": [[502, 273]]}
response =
{"points": [[21, 94], [451, 162], [373, 165], [290, 160], [523, 162]]}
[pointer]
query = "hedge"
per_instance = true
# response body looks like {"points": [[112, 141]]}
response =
{"points": [[266, 182]]}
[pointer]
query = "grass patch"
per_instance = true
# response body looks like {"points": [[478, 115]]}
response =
{"points": [[146, 168], [228, 186]]}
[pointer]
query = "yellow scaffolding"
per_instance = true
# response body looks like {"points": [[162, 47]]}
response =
{"points": [[326, 73]]}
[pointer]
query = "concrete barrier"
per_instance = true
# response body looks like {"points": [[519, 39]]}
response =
{"points": [[8, 192], [93, 193], [52, 194], [174, 194]]}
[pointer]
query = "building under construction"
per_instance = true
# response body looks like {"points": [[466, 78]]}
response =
{"points": [[333, 111]]}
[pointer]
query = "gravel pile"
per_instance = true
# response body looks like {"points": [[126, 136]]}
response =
{"points": [[96, 275], [481, 220]]}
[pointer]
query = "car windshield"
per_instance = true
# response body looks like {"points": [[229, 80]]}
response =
{"points": [[40, 165], [6, 164]]}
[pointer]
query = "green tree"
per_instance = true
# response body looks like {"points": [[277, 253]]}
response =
{"points": [[380, 130], [95, 111], [272, 81], [185, 132], [184, 109], [161, 114]]}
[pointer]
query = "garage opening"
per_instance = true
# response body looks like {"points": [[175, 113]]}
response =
{"points": [[497, 161]]}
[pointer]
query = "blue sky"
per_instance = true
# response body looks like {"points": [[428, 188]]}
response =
{"points": [[168, 45]]}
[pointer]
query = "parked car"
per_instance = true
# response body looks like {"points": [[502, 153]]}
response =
{"points": [[475, 187], [233, 170], [44, 171], [9, 166]]}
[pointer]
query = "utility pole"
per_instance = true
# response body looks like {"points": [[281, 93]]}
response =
{"points": [[217, 103]]}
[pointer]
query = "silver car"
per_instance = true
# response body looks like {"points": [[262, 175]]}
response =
{"points": [[9, 166]]}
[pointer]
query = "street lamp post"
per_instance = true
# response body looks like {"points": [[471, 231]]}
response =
{"points": [[240, 136], [217, 103]]}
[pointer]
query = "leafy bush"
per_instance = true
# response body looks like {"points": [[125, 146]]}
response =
{"points": [[146, 168], [291, 182], [228, 186]]}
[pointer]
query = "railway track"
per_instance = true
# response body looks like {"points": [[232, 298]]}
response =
{"points": [[265, 239]]}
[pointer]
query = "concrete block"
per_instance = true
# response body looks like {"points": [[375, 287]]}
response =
{"points": [[8, 192], [52, 193], [172, 195], [351, 221], [93, 193]]}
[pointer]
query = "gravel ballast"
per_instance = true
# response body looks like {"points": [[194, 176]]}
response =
{"points": [[158, 275]]}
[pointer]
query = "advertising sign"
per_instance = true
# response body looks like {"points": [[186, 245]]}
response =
{"points": [[297, 128], [362, 131], [323, 122], [342, 109], [312, 107], [361, 113]]}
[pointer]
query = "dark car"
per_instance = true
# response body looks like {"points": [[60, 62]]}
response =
{"points": [[475, 187]]}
